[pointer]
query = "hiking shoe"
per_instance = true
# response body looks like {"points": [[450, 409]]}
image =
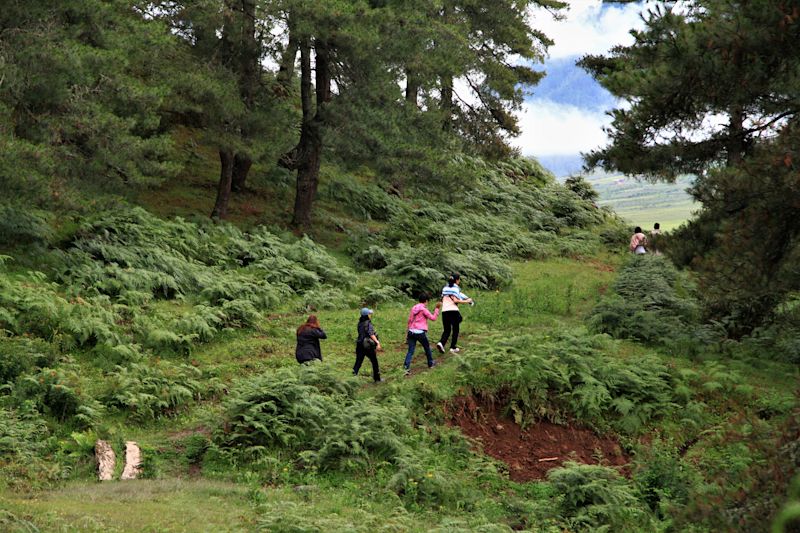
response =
{"points": [[432, 365], [440, 347], [380, 380], [455, 350], [407, 372]]}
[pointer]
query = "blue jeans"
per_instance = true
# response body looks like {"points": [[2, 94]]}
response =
{"points": [[413, 338]]}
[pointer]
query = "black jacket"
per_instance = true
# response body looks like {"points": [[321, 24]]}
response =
{"points": [[308, 345]]}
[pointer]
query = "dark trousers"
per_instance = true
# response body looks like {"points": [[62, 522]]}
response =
{"points": [[451, 320], [422, 338], [361, 352]]}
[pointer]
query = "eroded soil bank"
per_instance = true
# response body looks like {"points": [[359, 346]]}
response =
{"points": [[530, 453]]}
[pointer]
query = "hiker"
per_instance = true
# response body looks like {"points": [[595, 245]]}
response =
{"points": [[367, 345], [655, 236], [452, 297], [418, 330], [308, 337], [638, 242]]}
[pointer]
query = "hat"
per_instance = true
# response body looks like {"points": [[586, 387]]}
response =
{"points": [[366, 311]]}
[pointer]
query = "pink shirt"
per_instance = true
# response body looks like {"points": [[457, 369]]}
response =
{"points": [[638, 239], [419, 316]]}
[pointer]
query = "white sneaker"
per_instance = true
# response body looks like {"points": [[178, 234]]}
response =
{"points": [[455, 350], [440, 347]]}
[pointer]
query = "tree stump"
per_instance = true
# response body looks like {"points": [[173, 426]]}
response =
{"points": [[133, 461], [106, 459]]}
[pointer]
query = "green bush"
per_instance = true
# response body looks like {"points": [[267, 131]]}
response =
{"points": [[651, 302], [596, 498], [20, 355], [149, 391], [573, 376], [60, 393], [25, 443], [313, 412]]}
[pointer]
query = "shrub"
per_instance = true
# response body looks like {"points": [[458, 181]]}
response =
{"points": [[311, 411], [651, 302], [60, 393], [596, 498], [572, 376], [19, 355], [149, 391], [24, 442]]}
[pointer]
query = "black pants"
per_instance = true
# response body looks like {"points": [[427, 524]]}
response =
{"points": [[361, 352], [451, 321]]}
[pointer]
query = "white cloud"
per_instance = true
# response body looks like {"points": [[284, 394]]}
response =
{"points": [[591, 27], [549, 128]]}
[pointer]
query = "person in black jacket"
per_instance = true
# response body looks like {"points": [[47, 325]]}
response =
{"points": [[367, 345], [308, 337]]}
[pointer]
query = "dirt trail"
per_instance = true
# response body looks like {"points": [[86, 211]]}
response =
{"points": [[532, 452]]}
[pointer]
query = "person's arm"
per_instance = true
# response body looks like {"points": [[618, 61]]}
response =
{"points": [[374, 336], [429, 315], [320, 333]]}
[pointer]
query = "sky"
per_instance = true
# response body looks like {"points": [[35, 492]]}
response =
{"points": [[552, 120]]}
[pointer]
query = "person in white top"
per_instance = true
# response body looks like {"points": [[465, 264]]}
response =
{"points": [[452, 297]]}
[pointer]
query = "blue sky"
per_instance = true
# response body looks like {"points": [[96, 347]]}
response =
{"points": [[566, 113]]}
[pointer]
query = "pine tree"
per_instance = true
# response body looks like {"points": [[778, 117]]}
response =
{"points": [[714, 90]]}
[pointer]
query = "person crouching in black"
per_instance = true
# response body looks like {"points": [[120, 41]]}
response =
{"points": [[308, 337], [367, 345]]}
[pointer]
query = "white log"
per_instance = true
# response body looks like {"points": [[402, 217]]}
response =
{"points": [[106, 460], [133, 461]]}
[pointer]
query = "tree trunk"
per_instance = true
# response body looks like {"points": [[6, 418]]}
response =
{"points": [[446, 103], [220, 210], [249, 70], [241, 166], [310, 145], [412, 87], [736, 138], [286, 69]]}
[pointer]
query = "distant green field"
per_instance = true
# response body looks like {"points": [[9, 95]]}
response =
{"points": [[644, 203]]}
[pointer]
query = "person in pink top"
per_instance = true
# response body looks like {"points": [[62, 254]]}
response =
{"points": [[418, 330], [638, 242]]}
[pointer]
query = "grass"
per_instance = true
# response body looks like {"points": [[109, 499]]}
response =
{"points": [[642, 203], [546, 297], [165, 505]]}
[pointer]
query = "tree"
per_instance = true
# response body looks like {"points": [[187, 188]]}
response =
{"points": [[80, 99], [490, 47], [714, 90]]}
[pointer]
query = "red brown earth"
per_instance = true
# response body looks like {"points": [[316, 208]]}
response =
{"points": [[532, 452]]}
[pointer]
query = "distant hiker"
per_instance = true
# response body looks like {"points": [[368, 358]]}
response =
{"points": [[308, 337], [452, 297], [655, 237], [638, 242], [418, 330], [367, 345]]}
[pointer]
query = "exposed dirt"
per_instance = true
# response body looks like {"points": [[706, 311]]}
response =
{"points": [[532, 452]]}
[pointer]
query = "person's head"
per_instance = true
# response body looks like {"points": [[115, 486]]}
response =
{"points": [[423, 297], [656, 226], [454, 278], [311, 323], [637, 230], [366, 313]]}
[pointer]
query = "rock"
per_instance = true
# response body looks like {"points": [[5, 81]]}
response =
{"points": [[106, 460], [133, 461]]}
